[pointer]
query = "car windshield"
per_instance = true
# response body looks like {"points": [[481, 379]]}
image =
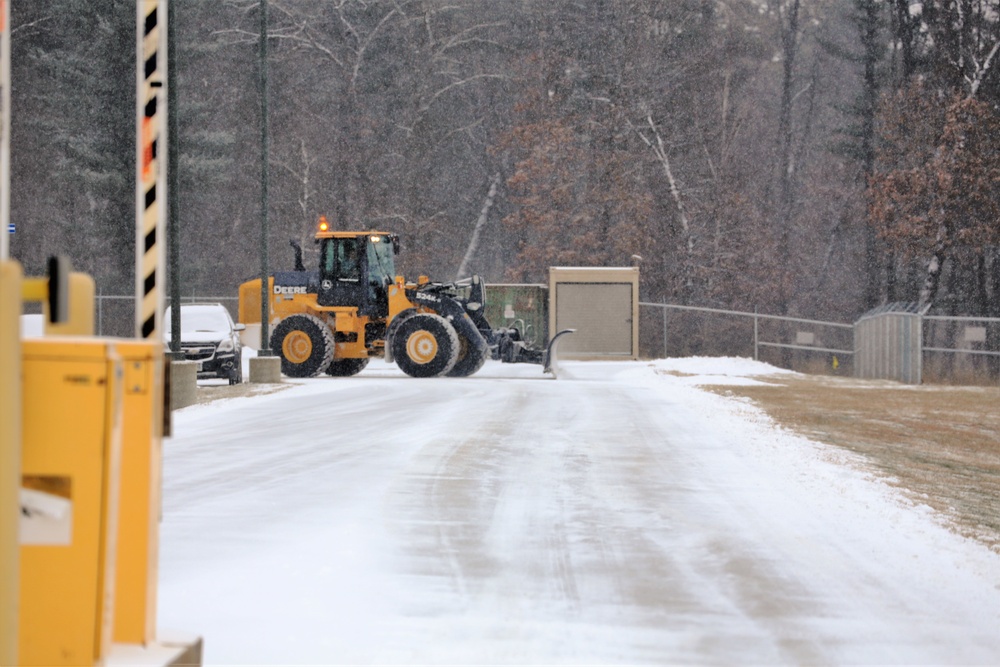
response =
{"points": [[200, 318]]}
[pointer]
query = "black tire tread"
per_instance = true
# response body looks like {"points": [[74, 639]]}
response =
{"points": [[322, 340], [471, 363], [346, 367], [447, 340]]}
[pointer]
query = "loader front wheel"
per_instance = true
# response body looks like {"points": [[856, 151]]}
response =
{"points": [[346, 367], [425, 345], [305, 345], [471, 357]]}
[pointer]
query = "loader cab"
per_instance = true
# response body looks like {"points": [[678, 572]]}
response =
{"points": [[356, 270]]}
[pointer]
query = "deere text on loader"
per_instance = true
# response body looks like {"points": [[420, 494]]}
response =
{"points": [[354, 307]]}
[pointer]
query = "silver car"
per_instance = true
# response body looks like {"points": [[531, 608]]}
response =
{"points": [[211, 339]]}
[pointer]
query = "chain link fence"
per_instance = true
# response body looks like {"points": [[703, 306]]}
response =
{"points": [[949, 348], [957, 349], [961, 349], [115, 315], [668, 330]]}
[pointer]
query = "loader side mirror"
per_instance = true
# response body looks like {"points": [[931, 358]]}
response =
{"points": [[395, 244]]}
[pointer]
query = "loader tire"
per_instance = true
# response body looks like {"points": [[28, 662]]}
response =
{"points": [[425, 345], [346, 367], [471, 357], [305, 345]]}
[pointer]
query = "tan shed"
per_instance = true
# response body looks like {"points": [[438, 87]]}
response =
{"points": [[602, 304]]}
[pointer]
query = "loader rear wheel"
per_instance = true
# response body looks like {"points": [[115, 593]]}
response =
{"points": [[305, 345], [471, 357], [345, 367], [425, 345]]}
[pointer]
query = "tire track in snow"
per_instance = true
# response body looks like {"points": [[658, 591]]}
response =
{"points": [[542, 508]]}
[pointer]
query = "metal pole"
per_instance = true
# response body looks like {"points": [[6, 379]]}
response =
{"points": [[265, 315], [664, 328], [173, 190]]}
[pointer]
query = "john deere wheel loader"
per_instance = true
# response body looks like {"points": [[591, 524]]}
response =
{"points": [[354, 307]]}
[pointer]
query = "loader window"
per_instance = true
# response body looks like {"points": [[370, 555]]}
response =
{"points": [[380, 260], [341, 261]]}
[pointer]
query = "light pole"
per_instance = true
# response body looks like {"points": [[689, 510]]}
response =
{"points": [[265, 316], [173, 190]]}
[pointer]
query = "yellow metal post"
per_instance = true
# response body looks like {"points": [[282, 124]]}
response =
{"points": [[10, 456], [139, 510], [72, 437]]}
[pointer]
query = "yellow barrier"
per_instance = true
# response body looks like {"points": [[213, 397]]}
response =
{"points": [[81, 428], [72, 430]]}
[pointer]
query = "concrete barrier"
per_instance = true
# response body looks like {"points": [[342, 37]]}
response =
{"points": [[265, 370], [183, 384]]}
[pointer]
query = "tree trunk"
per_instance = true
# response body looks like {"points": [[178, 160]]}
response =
{"points": [[660, 150], [929, 290], [786, 165], [470, 252]]}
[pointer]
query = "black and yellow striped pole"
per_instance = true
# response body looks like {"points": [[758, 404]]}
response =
{"points": [[151, 190]]}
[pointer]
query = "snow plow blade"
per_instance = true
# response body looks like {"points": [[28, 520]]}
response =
{"points": [[551, 361]]}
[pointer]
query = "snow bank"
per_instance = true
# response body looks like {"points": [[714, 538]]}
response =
{"points": [[719, 366]]}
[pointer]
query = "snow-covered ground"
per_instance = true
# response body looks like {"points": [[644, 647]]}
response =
{"points": [[620, 514]]}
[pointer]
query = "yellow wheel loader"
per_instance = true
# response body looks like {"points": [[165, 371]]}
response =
{"points": [[353, 307]]}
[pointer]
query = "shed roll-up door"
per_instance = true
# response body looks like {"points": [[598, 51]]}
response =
{"points": [[601, 313]]}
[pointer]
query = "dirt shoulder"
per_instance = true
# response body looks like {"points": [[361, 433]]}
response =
{"points": [[208, 393], [940, 444]]}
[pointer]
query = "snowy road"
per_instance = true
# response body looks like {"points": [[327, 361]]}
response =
{"points": [[617, 516]]}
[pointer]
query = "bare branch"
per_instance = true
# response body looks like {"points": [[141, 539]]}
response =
{"points": [[982, 70], [456, 84], [363, 46], [32, 24], [313, 43], [457, 40]]}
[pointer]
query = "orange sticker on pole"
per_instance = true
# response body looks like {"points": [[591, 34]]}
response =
{"points": [[147, 147]]}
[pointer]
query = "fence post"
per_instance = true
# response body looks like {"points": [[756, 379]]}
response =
{"points": [[919, 375], [756, 335], [664, 328]]}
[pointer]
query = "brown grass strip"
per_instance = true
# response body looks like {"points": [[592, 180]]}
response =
{"points": [[941, 445]]}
